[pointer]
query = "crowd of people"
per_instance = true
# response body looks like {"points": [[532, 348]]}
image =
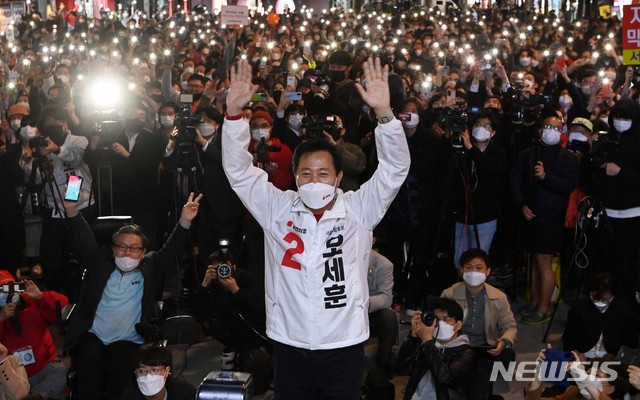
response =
{"points": [[256, 161]]}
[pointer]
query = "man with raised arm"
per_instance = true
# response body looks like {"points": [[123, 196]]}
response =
{"points": [[317, 243]]}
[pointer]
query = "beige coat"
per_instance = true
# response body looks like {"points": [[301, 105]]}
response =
{"points": [[499, 322], [14, 383]]}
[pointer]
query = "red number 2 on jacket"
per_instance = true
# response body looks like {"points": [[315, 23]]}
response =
{"points": [[287, 259]]}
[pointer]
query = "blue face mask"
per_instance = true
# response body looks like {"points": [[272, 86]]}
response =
{"points": [[3, 298]]}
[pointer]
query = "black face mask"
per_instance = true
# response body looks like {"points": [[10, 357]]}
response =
{"points": [[55, 133], [337, 76], [157, 98], [196, 96], [133, 125]]}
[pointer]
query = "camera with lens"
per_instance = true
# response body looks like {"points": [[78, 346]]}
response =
{"points": [[322, 83], [428, 318], [262, 151], [224, 269], [455, 120], [38, 142], [603, 148], [108, 130], [315, 126]]}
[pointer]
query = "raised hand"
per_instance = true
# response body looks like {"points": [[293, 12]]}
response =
{"points": [[241, 88], [32, 290], [376, 95], [190, 210]]}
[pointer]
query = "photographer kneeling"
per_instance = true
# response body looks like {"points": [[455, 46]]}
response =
{"points": [[231, 302]]}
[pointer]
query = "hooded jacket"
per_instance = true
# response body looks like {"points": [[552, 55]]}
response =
{"points": [[622, 191]]}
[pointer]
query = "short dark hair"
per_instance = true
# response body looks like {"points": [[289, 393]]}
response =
{"points": [[55, 112], [448, 306], [198, 77], [294, 107], [131, 230], [168, 104], [470, 254], [216, 257], [490, 115], [601, 283], [313, 146], [154, 354]]}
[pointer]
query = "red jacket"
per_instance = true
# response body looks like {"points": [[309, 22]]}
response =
{"points": [[282, 177], [35, 318]]}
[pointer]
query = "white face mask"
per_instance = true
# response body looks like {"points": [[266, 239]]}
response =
{"points": [[126, 264], [586, 90], [595, 383], [189, 70], [445, 331], [412, 122], [150, 384], [525, 61], [63, 78], [276, 56], [577, 136], [295, 122], [316, 195], [551, 136], [28, 132], [534, 63], [167, 120], [184, 85], [481, 134], [622, 125], [260, 133], [602, 306], [474, 278], [566, 101], [15, 124], [206, 130]]}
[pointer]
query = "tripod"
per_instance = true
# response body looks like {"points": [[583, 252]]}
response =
{"points": [[41, 165], [457, 163]]}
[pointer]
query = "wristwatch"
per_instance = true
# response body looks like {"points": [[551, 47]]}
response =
{"points": [[386, 118], [507, 343]]}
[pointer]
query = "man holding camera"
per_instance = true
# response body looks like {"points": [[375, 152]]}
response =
{"points": [[317, 243], [231, 301], [55, 154], [116, 304], [134, 157], [438, 357]]}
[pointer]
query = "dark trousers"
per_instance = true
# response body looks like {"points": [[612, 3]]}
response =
{"points": [[482, 387], [318, 374], [383, 324], [102, 371], [622, 255]]}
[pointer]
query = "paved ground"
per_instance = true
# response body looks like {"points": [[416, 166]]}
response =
{"points": [[198, 360]]}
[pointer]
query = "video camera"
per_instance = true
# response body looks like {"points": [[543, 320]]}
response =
{"points": [[185, 123], [315, 126], [322, 82], [262, 151], [603, 148], [224, 270], [38, 142], [455, 120]]}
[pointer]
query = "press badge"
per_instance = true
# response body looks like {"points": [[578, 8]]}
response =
{"points": [[25, 355]]}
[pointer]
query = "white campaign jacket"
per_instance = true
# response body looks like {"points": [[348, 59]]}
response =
{"points": [[316, 291]]}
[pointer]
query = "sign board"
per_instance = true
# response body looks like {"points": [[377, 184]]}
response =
{"points": [[631, 35], [234, 15]]}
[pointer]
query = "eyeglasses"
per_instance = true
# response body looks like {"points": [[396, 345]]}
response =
{"points": [[143, 371], [487, 126], [123, 248], [195, 86], [448, 320], [555, 128]]}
